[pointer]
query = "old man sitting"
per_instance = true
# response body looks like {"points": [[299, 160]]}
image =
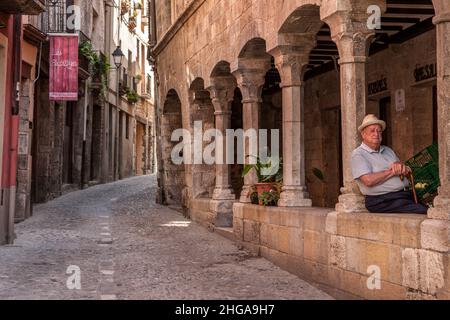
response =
{"points": [[379, 173]]}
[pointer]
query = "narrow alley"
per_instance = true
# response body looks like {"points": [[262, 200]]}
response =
{"points": [[126, 247]]}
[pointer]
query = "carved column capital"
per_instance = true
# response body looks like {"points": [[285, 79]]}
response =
{"points": [[442, 10], [251, 82], [292, 56], [291, 67], [222, 93], [351, 34]]}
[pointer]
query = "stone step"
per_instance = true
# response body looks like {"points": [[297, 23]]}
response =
{"points": [[226, 232]]}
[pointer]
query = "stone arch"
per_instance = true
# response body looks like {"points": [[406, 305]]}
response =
{"points": [[173, 174], [201, 108], [254, 48], [271, 109], [228, 106], [221, 69], [304, 19], [300, 33]]}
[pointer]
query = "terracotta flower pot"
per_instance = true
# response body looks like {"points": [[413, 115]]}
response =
{"points": [[263, 187]]}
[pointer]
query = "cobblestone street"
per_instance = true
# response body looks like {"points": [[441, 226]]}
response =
{"points": [[127, 247]]}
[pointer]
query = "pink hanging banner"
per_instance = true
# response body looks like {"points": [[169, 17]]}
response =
{"points": [[63, 60]]}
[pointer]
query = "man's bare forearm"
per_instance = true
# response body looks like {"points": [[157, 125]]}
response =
{"points": [[374, 179]]}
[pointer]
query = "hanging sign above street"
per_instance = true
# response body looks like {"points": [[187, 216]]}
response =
{"points": [[63, 61]]}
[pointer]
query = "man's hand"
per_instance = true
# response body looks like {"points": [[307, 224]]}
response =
{"points": [[399, 169]]}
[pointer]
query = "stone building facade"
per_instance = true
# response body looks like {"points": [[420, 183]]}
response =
{"points": [[312, 69], [18, 55], [93, 141], [108, 133]]}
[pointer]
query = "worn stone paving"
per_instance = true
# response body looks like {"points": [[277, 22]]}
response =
{"points": [[128, 247]]}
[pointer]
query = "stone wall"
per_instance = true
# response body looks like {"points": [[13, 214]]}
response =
{"points": [[174, 175], [203, 175], [48, 133], [140, 148], [23, 193], [342, 251], [98, 141], [412, 128], [126, 140], [322, 119]]}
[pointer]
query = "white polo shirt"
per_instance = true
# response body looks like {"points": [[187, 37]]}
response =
{"points": [[366, 161]]}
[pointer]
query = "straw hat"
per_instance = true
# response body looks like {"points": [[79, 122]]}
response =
{"points": [[371, 119]]}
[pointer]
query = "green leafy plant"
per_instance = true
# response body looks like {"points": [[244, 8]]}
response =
{"points": [[85, 49], [138, 78], [104, 66], [132, 95], [275, 170], [100, 65], [270, 198]]}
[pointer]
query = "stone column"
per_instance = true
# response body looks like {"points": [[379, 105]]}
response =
{"points": [[441, 208], [291, 61], [353, 41], [251, 82], [435, 231], [222, 93], [222, 96]]}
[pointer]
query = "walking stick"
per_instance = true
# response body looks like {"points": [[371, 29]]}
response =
{"points": [[413, 185], [411, 178]]}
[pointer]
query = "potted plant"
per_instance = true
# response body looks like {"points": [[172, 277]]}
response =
{"points": [[132, 96], [270, 198], [270, 176]]}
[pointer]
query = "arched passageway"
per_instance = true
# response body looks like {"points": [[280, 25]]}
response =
{"points": [[174, 174], [201, 173]]}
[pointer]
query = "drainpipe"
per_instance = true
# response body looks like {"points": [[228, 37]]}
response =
{"points": [[14, 133]]}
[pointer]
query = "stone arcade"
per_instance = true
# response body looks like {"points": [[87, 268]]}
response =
{"points": [[303, 66]]}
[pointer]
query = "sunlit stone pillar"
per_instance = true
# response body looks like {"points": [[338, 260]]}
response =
{"points": [[251, 81], [442, 22], [290, 61], [353, 39], [222, 93]]}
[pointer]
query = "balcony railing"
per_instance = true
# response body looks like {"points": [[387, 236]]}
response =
{"points": [[29, 7], [54, 19]]}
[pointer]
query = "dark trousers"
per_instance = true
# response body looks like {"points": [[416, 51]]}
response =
{"points": [[394, 202]]}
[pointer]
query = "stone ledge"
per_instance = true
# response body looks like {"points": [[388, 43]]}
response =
{"points": [[311, 218], [399, 229]]}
